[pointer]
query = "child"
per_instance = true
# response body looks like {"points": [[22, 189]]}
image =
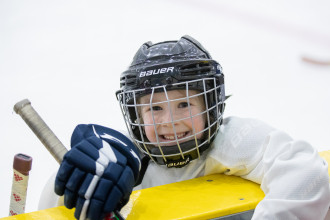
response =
{"points": [[172, 98]]}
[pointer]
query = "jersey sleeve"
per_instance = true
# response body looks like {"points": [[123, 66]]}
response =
{"points": [[290, 172], [294, 179]]}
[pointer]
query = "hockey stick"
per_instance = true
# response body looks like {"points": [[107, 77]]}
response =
{"points": [[45, 134], [21, 166], [316, 61], [40, 129]]}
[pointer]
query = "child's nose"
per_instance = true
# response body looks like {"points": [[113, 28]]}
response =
{"points": [[168, 118]]}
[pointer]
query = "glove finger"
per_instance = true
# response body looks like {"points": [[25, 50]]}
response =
{"points": [[62, 177], [82, 195], [113, 172], [90, 149], [70, 199], [75, 180], [84, 186], [126, 182], [79, 206], [94, 206], [95, 210], [72, 187], [112, 200], [83, 161], [102, 190]]}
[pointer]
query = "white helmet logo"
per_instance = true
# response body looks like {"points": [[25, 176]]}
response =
{"points": [[156, 71]]}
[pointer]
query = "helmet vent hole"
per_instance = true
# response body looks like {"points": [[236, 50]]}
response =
{"points": [[128, 80], [195, 69]]}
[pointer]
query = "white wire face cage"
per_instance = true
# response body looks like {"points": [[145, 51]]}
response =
{"points": [[178, 146]]}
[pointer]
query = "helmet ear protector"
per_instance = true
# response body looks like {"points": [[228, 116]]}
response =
{"points": [[162, 67]]}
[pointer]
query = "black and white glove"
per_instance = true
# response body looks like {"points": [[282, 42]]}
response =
{"points": [[98, 174]]}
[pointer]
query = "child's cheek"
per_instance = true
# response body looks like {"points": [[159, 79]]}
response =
{"points": [[199, 124], [150, 133]]}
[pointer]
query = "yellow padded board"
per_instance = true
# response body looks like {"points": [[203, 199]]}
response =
{"points": [[326, 156], [57, 213], [200, 198]]}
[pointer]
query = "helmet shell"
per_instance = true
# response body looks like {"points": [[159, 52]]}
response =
{"points": [[172, 65]]}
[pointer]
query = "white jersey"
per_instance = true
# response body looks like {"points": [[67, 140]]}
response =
{"points": [[292, 175]]}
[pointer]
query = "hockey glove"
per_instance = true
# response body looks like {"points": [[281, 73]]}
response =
{"points": [[98, 174]]}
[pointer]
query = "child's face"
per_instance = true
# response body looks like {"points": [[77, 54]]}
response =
{"points": [[180, 110]]}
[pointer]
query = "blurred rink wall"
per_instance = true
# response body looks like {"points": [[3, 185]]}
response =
{"points": [[66, 57]]}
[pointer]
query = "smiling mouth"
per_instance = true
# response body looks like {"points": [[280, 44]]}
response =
{"points": [[171, 137]]}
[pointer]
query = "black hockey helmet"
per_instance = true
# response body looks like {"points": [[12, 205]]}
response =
{"points": [[165, 66]]}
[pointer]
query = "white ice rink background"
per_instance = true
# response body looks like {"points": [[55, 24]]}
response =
{"points": [[66, 58]]}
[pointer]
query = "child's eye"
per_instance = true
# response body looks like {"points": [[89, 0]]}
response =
{"points": [[156, 108], [183, 105]]}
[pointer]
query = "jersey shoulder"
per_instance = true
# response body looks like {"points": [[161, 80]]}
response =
{"points": [[240, 140]]}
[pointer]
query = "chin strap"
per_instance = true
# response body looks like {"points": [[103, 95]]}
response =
{"points": [[177, 161]]}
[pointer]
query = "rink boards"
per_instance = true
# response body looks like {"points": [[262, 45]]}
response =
{"points": [[205, 197]]}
